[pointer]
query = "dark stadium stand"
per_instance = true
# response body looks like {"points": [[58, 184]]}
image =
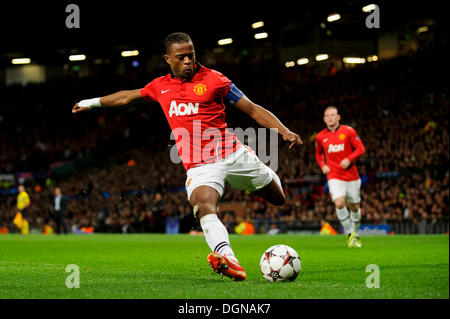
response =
{"points": [[112, 164]]}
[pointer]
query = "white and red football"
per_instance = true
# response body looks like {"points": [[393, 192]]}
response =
{"points": [[279, 263]]}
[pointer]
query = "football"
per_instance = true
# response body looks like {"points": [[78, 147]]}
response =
{"points": [[280, 263]]}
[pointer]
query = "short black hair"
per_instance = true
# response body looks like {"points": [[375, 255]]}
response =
{"points": [[177, 37]]}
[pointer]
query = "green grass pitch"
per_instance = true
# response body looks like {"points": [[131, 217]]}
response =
{"points": [[152, 266]]}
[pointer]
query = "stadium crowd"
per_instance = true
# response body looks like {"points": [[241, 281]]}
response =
{"points": [[121, 178]]}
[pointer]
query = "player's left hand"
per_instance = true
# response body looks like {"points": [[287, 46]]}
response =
{"points": [[345, 163], [79, 108], [293, 138]]}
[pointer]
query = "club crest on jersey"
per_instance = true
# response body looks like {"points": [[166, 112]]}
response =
{"points": [[335, 148], [342, 136], [200, 89], [183, 108]]}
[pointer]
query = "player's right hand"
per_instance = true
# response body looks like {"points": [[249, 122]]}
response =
{"points": [[293, 138], [325, 169], [77, 108]]}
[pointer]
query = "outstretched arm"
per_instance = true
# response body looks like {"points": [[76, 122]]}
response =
{"points": [[267, 119], [120, 98]]}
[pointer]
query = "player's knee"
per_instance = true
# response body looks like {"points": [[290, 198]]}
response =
{"points": [[273, 195], [204, 201], [205, 209], [353, 207], [277, 195], [279, 200], [339, 203], [204, 206]]}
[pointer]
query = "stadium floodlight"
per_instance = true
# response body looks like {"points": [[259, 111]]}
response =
{"points": [[77, 57], [354, 60], [258, 24], [422, 29], [302, 61], [289, 64], [321, 57], [369, 8], [333, 17], [261, 35], [21, 61], [129, 53], [225, 41], [372, 58]]}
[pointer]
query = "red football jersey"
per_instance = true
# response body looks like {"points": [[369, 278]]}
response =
{"points": [[195, 111], [333, 147]]}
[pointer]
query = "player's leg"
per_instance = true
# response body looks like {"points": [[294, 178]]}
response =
{"points": [[355, 215], [337, 192], [205, 187], [204, 200], [247, 172], [343, 214], [273, 192], [353, 202]]}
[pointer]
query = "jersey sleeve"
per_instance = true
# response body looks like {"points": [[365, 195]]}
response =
{"points": [[222, 84], [149, 92], [320, 157], [357, 144]]}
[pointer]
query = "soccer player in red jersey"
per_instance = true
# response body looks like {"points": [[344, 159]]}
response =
{"points": [[337, 148], [192, 99]]}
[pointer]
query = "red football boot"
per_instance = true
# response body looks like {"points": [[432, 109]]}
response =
{"points": [[227, 267]]}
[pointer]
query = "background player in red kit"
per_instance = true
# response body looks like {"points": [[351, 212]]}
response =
{"points": [[337, 148], [192, 98]]}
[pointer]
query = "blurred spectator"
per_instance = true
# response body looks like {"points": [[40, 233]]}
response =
{"points": [[59, 211]]}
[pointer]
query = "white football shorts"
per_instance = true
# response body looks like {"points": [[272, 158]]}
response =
{"points": [[349, 190], [242, 170]]}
